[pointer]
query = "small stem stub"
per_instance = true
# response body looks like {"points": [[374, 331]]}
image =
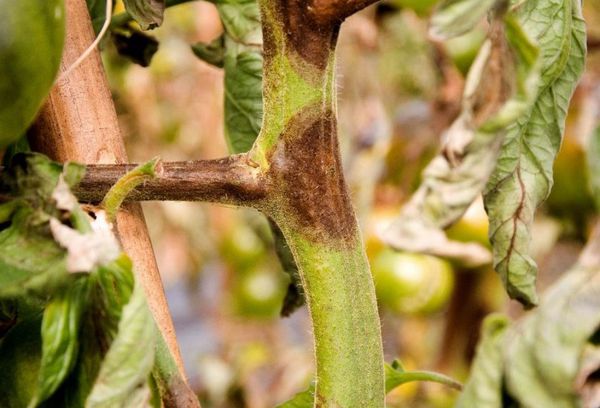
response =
{"points": [[119, 191]]}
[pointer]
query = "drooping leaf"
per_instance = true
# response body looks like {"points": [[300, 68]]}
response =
{"points": [[500, 87], [522, 178], [537, 361], [25, 76], [147, 13], [455, 17], [484, 387], [122, 380], [60, 338]]}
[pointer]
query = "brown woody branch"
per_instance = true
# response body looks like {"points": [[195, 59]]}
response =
{"points": [[336, 11], [228, 181]]}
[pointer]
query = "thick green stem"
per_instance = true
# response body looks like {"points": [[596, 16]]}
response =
{"points": [[297, 150]]}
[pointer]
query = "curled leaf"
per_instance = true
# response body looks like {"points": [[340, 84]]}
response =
{"points": [[522, 178], [500, 87]]}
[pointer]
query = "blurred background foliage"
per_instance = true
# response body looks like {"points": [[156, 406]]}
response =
{"points": [[397, 92]]}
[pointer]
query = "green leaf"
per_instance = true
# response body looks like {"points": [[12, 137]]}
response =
{"points": [[147, 13], [122, 380], [522, 178], [110, 289], [25, 76], [501, 86], [60, 338], [243, 98], [238, 51], [455, 17], [484, 387], [396, 375]]}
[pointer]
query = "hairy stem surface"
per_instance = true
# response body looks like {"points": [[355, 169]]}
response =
{"points": [[297, 150]]}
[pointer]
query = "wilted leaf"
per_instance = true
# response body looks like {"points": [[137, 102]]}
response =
{"points": [[241, 20], [500, 87], [537, 361], [523, 176], [147, 13], [455, 17], [60, 338], [484, 387], [122, 380]]}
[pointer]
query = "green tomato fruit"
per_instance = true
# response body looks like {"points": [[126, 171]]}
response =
{"points": [[463, 49], [31, 42], [259, 294], [412, 283], [242, 248], [472, 227]]}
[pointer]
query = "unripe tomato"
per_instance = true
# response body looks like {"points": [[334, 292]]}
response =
{"points": [[242, 248], [31, 41], [472, 227], [412, 283], [258, 294]]}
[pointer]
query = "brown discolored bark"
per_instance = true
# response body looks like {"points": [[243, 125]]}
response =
{"points": [[230, 180]]}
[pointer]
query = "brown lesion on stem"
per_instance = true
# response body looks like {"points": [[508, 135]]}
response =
{"points": [[231, 180], [306, 168], [336, 11]]}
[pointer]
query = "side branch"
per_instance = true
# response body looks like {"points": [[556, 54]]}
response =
{"points": [[231, 180], [336, 11]]}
